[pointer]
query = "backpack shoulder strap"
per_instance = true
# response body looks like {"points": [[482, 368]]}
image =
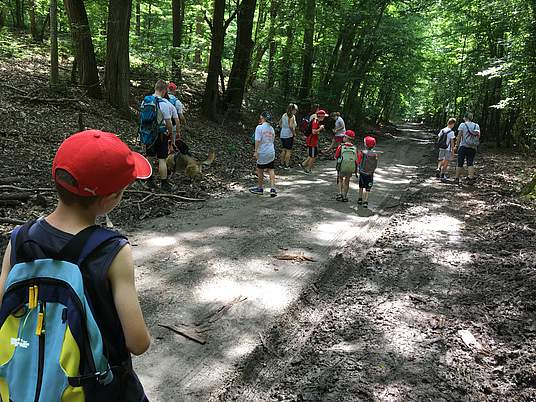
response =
{"points": [[86, 242], [19, 236]]}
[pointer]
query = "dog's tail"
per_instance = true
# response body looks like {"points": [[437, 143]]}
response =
{"points": [[210, 158]]}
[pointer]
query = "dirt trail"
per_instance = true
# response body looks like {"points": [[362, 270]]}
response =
{"points": [[212, 270]]}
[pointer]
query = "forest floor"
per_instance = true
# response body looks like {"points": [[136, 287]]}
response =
{"points": [[300, 298]]}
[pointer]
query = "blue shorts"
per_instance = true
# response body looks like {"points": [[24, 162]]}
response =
{"points": [[312, 152]]}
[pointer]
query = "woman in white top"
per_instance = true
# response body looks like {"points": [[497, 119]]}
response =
{"points": [[288, 131]]}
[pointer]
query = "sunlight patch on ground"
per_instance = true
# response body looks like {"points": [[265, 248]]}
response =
{"points": [[161, 241], [393, 393], [269, 295], [242, 347], [301, 182]]}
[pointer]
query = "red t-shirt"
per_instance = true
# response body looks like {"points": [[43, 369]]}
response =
{"points": [[312, 140]]}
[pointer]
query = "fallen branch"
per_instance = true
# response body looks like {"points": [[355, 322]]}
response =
{"points": [[10, 180], [20, 91], [15, 188], [12, 221], [297, 258], [15, 196], [174, 196], [47, 100], [186, 332]]}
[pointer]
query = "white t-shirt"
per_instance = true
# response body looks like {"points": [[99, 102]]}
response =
{"points": [[287, 126], [450, 136], [340, 127], [464, 128], [165, 107], [265, 134]]}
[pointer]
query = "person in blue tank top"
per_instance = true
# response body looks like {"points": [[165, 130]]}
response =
{"points": [[91, 170]]}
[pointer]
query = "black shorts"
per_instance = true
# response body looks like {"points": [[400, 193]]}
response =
{"points": [[287, 143], [267, 166], [366, 181], [312, 151], [159, 148]]}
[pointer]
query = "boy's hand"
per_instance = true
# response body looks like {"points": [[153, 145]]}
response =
{"points": [[255, 155]]}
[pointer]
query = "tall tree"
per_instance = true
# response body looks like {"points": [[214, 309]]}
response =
{"points": [[178, 23], [242, 55], [54, 64], [308, 49], [83, 45], [117, 79], [218, 25]]}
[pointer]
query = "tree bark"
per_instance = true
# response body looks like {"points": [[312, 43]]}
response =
{"points": [[54, 64], [198, 32], [211, 97], [242, 55], [116, 79], [138, 18], [178, 22], [19, 14], [272, 47], [287, 63], [84, 51], [308, 50], [34, 30]]}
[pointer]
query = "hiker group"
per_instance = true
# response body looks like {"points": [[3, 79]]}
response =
{"points": [[464, 144], [350, 160]]}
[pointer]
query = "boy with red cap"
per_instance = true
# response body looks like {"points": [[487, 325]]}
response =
{"points": [[91, 171], [312, 141], [368, 162], [346, 156]]}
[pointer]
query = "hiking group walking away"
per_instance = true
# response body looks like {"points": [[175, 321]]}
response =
{"points": [[463, 145], [350, 160]]}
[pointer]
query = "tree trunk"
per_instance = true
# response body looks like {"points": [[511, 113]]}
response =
{"points": [[242, 55], [198, 32], [83, 44], [178, 22], [272, 44], [308, 50], [138, 18], [287, 63], [54, 64], [19, 15], [212, 94], [34, 30], [116, 79]]}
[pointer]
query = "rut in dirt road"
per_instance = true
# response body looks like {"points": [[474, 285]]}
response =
{"points": [[441, 308], [213, 273]]}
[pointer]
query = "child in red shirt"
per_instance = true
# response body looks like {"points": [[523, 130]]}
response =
{"points": [[312, 141], [346, 156]]}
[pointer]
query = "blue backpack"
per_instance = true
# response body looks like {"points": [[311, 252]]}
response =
{"points": [[51, 348], [151, 120]]}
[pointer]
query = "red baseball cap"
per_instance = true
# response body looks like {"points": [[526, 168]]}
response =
{"points": [[100, 162], [349, 134], [172, 86], [321, 113], [370, 142]]}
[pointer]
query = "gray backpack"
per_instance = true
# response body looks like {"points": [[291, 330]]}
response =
{"points": [[472, 140]]}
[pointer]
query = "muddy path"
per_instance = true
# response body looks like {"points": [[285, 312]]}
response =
{"points": [[212, 272], [440, 308]]}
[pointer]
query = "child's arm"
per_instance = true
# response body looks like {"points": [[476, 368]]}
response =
{"points": [[121, 276], [5, 271]]}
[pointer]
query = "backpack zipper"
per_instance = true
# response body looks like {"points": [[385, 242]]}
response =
{"points": [[40, 366]]}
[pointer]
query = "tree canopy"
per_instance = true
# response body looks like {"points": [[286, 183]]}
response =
{"points": [[373, 60]]}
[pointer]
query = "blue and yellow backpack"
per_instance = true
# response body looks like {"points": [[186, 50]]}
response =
{"points": [[51, 348]]}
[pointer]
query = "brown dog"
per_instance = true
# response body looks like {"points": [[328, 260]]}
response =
{"points": [[192, 168]]}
